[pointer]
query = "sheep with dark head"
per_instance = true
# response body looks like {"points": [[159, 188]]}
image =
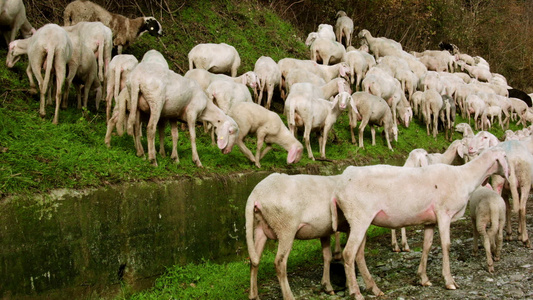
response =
{"points": [[125, 30]]}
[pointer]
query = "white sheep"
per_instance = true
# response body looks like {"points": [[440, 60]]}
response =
{"points": [[83, 71], [287, 207], [447, 115], [215, 58], [324, 31], [125, 30], [480, 73], [372, 110], [393, 197], [49, 48], [343, 28], [454, 154], [117, 72], [314, 114], [519, 108], [359, 66], [380, 46], [518, 184], [384, 85], [268, 76], [299, 76], [416, 158], [269, 129], [465, 129], [488, 208], [97, 37], [166, 95], [204, 78], [13, 19], [327, 51], [431, 106], [225, 94]]}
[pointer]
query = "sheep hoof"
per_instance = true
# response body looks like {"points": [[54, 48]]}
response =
{"points": [[491, 269], [396, 249], [451, 286], [427, 283]]}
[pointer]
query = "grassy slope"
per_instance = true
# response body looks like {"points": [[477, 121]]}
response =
{"points": [[36, 156]]}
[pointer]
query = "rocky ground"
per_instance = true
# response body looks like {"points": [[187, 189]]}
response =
{"points": [[395, 273]]}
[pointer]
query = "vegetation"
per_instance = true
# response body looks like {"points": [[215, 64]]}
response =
{"points": [[36, 156]]}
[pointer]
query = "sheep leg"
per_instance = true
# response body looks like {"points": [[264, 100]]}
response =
{"points": [[307, 133], [373, 133], [191, 122], [29, 73], [481, 227], [260, 241], [405, 246], [362, 126], [326, 254], [444, 232], [265, 151], [78, 95], [508, 228], [151, 128], [337, 253], [522, 216], [394, 241], [137, 135], [363, 270], [60, 72], [260, 140], [354, 243], [475, 234], [270, 93], [161, 130], [324, 140], [111, 123], [175, 134], [284, 249], [428, 240]]}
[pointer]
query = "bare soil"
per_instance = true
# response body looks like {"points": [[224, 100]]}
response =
{"points": [[395, 273]]}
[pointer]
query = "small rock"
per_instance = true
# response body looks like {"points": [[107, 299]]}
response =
{"points": [[489, 279], [516, 277]]}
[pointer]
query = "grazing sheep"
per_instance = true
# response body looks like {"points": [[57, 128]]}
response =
{"points": [[286, 207], [327, 51], [215, 58], [125, 30], [118, 71], [314, 114], [268, 76], [299, 76], [372, 110], [385, 86], [49, 47], [380, 46], [487, 207], [466, 129], [393, 197], [269, 129], [475, 105], [12, 19], [97, 37], [205, 78], [83, 71], [431, 106], [170, 96], [225, 94], [343, 28]]}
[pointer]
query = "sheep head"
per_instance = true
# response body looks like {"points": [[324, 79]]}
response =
{"points": [[152, 26]]}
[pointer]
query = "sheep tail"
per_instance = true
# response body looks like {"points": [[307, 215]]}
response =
{"points": [[250, 222], [48, 71], [101, 60], [134, 98]]}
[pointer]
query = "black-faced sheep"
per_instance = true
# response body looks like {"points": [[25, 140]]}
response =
{"points": [[125, 30]]}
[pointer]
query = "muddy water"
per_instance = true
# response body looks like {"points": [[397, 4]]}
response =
{"points": [[93, 243]]}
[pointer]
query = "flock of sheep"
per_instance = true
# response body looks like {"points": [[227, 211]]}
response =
{"points": [[391, 87]]}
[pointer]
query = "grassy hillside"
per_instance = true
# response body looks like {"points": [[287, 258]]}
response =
{"points": [[37, 156]]}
